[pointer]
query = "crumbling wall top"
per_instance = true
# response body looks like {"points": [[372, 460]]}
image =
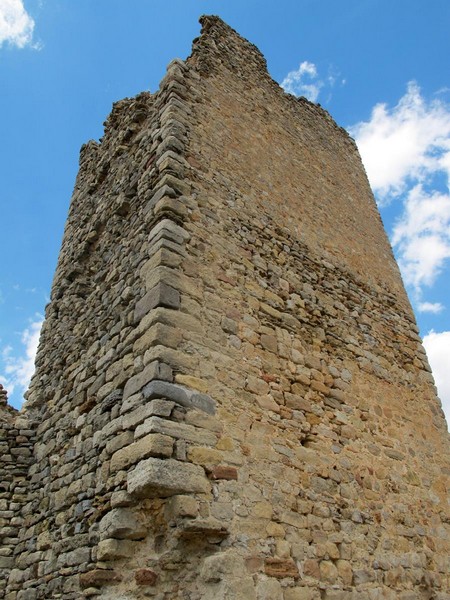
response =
{"points": [[221, 44]]}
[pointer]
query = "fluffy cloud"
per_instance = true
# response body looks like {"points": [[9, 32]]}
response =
{"points": [[16, 25], [422, 236], [430, 307], [404, 145], [406, 152], [437, 346], [303, 82], [18, 370]]}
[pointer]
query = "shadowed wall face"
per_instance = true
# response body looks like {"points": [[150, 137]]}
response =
{"points": [[233, 401]]}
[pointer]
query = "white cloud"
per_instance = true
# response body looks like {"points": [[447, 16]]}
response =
{"points": [[18, 370], [406, 152], [16, 25], [437, 346], [431, 307], [303, 82], [422, 236], [406, 144]]}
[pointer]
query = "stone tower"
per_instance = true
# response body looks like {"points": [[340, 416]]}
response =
{"points": [[231, 399]]}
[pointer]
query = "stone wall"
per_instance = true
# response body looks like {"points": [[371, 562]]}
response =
{"points": [[16, 450], [232, 397]]}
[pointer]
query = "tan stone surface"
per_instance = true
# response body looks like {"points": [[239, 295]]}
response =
{"points": [[223, 249]]}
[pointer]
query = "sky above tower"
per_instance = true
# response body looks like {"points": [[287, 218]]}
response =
{"points": [[379, 67]]}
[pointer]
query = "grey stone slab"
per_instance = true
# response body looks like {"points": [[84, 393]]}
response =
{"points": [[181, 395], [154, 370]]}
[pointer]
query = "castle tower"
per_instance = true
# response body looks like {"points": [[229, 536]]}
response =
{"points": [[231, 399]]}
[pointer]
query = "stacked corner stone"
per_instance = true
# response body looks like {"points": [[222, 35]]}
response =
{"points": [[231, 399]]}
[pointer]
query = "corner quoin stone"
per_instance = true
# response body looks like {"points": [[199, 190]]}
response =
{"points": [[179, 395], [162, 478]]}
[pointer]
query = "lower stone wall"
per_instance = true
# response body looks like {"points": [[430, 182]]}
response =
{"points": [[17, 437]]}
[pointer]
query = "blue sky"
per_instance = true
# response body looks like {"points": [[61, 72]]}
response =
{"points": [[380, 67]]}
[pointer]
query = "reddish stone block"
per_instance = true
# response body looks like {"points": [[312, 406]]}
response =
{"points": [[223, 472], [99, 577], [145, 577], [311, 568], [280, 568]]}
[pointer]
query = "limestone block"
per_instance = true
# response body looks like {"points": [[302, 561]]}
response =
{"points": [[121, 523], [153, 444], [177, 279], [328, 571], [154, 370], [204, 456], [175, 358], [98, 578], [158, 334], [171, 205], [172, 318], [166, 253], [209, 526], [217, 566], [176, 430], [157, 407], [192, 382], [205, 421], [112, 549], [121, 498], [269, 589], [160, 295], [181, 506], [154, 478], [301, 593], [167, 227]]}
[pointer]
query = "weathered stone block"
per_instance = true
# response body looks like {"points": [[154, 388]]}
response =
{"points": [[154, 370], [161, 478], [161, 295], [167, 227], [204, 456], [176, 430], [180, 395], [153, 444], [181, 506], [224, 472], [159, 407], [281, 568], [301, 593], [145, 577], [121, 523], [98, 578], [158, 334], [113, 549]]}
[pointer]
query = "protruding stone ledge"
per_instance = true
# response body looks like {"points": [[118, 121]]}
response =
{"points": [[180, 395], [208, 526], [156, 478]]}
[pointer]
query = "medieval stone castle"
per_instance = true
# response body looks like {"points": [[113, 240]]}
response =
{"points": [[231, 399]]}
